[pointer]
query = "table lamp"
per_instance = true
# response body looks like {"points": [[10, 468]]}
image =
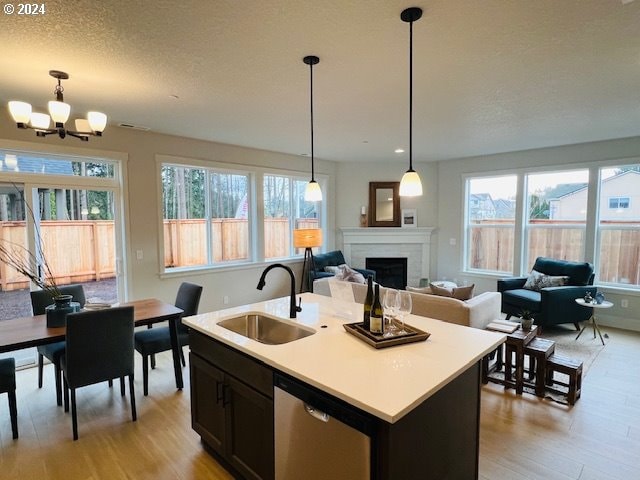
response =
{"points": [[307, 238]]}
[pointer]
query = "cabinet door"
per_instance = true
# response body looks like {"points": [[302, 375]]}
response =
{"points": [[207, 404], [249, 435]]}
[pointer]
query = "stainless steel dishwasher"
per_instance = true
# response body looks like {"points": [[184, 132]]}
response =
{"points": [[318, 437]]}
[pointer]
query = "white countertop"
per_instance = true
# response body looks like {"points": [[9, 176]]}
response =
{"points": [[387, 383]]}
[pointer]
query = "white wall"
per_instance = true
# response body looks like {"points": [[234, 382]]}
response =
{"points": [[143, 205], [451, 197]]}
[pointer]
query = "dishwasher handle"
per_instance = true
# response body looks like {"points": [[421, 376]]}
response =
{"points": [[317, 414]]}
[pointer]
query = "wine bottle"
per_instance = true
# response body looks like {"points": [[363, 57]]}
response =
{"points": [[376, 325], [368, 303]]}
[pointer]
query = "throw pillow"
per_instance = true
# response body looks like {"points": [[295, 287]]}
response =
{"points": [[443, 292], [463, 293], [538, 280], [424, 290], [350, 275], [333, 268]]}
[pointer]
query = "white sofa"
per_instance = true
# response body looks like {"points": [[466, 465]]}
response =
{"points": [[476, 312]]}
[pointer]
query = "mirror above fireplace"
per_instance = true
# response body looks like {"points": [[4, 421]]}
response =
{"points": [[384, 204]]}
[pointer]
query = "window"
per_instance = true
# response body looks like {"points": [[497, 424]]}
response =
{"points": [[556, 215], [619, 226], [490, 224], [50, 164], [284, 210], [616, 203], [206, 216]]}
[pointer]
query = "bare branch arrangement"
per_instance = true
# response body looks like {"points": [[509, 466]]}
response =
{"points": [[26, 262]]}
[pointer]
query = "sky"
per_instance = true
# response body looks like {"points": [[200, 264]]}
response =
{"points": [[505, 186]]}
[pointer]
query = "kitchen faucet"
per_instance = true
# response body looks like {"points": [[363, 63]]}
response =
{"points": [[293, 308]]}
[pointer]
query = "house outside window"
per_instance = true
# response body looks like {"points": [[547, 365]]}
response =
{"points": [[616, 203]]}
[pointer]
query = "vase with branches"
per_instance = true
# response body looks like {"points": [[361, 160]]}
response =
{"points": [[36, 268]]}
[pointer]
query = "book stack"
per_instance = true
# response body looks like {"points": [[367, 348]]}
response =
{"points": [[505, 326]]}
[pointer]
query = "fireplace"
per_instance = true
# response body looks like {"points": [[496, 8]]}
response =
{"points": [[390, 271]]}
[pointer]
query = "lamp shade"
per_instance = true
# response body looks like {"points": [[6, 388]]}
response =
{"points": [[307, 237], [40, 121], [97, 121], [10, 160], [59, 111], [410, 185], [312, 192], [20, 111]]}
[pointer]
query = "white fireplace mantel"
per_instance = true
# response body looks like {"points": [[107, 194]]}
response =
{"points": [[413, 243]]}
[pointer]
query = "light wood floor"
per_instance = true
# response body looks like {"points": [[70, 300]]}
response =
{"points": [[521, 437]]}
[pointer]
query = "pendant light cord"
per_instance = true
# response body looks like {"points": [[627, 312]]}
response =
{"points": [[411, 96], [311, 96]]}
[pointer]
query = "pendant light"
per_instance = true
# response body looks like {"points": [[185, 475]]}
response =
{"points": [[410, 185], [312, 192]]}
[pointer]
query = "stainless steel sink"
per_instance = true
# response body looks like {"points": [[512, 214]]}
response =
{"points": [[265, 329]]}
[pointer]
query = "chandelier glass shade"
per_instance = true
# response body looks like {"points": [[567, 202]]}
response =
{"points": [[59, 112], [312, 192], [410, 185]]}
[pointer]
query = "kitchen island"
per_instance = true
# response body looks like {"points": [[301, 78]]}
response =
{"points": [[422, 400]]}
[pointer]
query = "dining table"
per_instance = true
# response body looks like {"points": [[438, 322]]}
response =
{"points": [[27, 332]]}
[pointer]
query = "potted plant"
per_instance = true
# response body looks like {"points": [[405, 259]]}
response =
{"points": [[527, 320]]}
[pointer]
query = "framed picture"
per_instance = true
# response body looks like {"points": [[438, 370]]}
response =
{"points": [[409, 217]]}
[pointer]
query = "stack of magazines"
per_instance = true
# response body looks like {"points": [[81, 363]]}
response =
{"points": [[505, 326], [96, 305]]}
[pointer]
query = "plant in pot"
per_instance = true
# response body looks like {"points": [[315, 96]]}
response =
{"points": [[526, 320]]}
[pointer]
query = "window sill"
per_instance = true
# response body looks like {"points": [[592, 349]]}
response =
{"points": [[209, 269]]}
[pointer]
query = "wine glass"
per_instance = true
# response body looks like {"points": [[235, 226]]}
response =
{"points": [[390, 306], [404, 308]]}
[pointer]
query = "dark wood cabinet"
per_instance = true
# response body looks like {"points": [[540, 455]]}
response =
{"points": [[232, 406]]}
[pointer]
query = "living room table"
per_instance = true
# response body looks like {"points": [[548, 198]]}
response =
{"points": [[594, 306], [27, 332], [515, 343]]}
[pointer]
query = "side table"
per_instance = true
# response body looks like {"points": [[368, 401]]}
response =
{"points": [[515, 343], [593, 306]]}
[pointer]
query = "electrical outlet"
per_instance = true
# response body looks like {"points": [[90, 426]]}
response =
{"points": [[453, 242], [624, 303], [225, 300], [139, 254]]}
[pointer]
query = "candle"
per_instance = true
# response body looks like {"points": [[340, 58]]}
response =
{"points": [[362, 210]]}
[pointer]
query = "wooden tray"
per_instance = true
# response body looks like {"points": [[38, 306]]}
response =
{"points": [[378, 341]]}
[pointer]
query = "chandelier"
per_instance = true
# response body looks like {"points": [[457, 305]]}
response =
{"points": [[59, 111]]}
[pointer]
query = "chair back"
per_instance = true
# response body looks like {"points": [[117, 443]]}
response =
{"points": [[40, 299], [188, 299], [7, 375], [579, 273], [99, 345]]}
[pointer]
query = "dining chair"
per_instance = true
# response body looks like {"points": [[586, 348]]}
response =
{"points": [[99, 348], [40, 299], [155, 340], [8, 386]]}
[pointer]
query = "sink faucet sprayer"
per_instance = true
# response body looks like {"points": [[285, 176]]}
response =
{"points": [[292, 303]]}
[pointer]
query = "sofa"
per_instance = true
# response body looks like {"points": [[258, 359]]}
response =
{"points": [[333, 259], [476, 312], [550, 305]]}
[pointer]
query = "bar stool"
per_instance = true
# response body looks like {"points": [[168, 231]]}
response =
{"points": [[539, 350], [8, 386]]}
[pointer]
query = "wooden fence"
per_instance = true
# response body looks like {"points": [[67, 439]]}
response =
{"points": [[83, 251], [76, 251], [492, 248]]}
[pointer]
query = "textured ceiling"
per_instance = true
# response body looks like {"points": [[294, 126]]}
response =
{"points": [[489, 76]]}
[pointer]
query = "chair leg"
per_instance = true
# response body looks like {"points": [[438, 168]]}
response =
{"points": [[58, 372], [145, 375], [122, 386], [66, 395], [153, 361], [40, 368], [577, 325], [13, 410], [508, 316], [74, 414], [184, 363], [110, 382], [134, 414]]}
